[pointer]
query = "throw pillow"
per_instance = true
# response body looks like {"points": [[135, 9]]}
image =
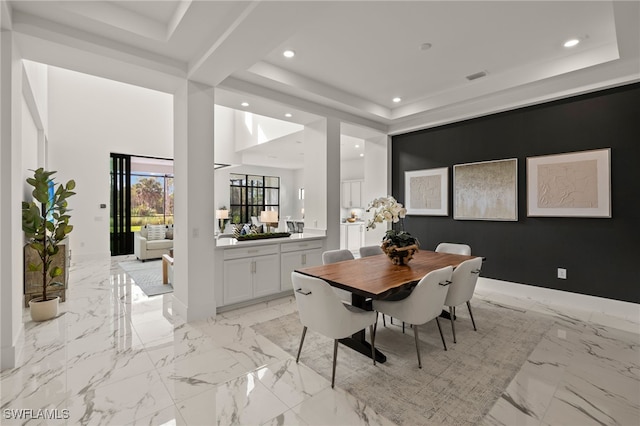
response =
{"points": [[169, 232], [156, 232]]}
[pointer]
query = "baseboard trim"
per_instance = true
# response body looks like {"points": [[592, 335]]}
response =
{"points": [[227, 308], [615, 308], [9, 355], [193, 313]]}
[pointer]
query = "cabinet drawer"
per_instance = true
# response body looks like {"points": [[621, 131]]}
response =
{"points": [[301, 245], [238, 253]]}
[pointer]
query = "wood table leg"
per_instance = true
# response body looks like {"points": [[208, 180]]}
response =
{"points": [[166, 261]]}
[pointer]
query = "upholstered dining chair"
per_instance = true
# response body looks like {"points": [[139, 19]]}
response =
{"points": [[463, 284], [422, 305], [454, 248], [334, 256], [370, 251], [323, 312]]}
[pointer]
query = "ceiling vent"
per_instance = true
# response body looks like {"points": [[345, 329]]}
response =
{"points": [[477, 75]]}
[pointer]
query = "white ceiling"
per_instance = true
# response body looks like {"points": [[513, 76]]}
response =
{"points": [[351, 58]]}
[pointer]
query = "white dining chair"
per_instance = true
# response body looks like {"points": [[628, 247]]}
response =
{"points": [[423, 304], [454, 248], [323, 312], [370, 251], [334, 256], [463, 284]]}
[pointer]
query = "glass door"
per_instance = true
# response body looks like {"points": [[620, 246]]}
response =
{"points": [[121, 234]]}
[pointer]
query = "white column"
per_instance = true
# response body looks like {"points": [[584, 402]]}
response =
{"points": [[11, 192], [376, 180], [322, 179], [194, 241], [333, 184]]}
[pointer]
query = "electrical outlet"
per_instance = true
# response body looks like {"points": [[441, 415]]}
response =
{"points": [[562, 273]]}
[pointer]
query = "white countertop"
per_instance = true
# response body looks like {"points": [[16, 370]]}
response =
{"points": [[232, 242], [358, 222]]}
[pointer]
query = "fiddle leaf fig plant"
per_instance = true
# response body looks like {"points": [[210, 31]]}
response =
{"points": [[45, 222]]}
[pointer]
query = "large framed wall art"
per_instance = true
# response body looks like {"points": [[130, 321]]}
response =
{"points": [[574, 184], [427, 192], [486, 191]]}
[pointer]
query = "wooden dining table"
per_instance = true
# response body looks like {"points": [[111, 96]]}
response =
{"points": [[376, 277]]}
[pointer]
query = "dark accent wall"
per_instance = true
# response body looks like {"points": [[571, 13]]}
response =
{"points": [[602, 256]]}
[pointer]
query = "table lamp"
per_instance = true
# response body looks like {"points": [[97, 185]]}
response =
{"points": [[269, 217], [222, 215]]}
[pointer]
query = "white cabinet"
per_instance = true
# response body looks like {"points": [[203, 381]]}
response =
{"points": [[266, 275], [352, 194], [298, 255], [352, 236], [250, 273]]}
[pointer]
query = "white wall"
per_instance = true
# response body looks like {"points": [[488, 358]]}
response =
{"points": [[37, 76], [90, 117], [298, 205], [29, 149], [375, 181], [224, 136], [352, 169], [252, 129], [288, 188]]}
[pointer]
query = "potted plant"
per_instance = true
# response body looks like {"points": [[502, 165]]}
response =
{"points": [[398, 245], [45, 222]]}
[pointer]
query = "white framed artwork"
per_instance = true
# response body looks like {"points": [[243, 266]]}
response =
{"points": [[426, 192], [486, 190], [576, 184]]}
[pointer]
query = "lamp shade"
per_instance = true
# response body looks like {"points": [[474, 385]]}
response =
{"points": [[269, 216], [222, 214]]}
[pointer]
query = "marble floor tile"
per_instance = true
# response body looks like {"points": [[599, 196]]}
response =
{"points": [[337, 407], [119, 403], [242, 401], [292, 383], [200, 372], [115, 356]]}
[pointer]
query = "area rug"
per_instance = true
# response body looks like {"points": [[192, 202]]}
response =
{"points": [[147, 275], [456, 387]]}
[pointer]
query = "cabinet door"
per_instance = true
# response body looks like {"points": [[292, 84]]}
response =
{"points": [[289, 262], [346, 194], [266, 275], [238, 280], [354, 235], [312, 258], [356, 194]]}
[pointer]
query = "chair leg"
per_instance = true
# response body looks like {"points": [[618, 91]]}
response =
{"points": [[415, 333], [384, 322], [452, 312], [402, 327], [373, 343], [441, 335], [304, 332], [471, 314], [335, 355]]}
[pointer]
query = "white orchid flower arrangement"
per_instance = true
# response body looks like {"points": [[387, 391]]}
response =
{"points": [[385, 209]]}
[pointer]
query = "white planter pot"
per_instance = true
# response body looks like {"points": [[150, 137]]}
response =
{"points": [[44, 310]]}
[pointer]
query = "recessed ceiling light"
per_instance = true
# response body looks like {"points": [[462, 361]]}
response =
{"points": [[245, 104], [288, 115], [357, 146], [571, 43], [289, 53], [396, 100], [361, 155]]}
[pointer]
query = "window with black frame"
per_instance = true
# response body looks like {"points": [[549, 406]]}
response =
{"points": [[252, 194]]}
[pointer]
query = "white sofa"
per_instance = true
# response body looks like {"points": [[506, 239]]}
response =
{"points": [[153, 241]]}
